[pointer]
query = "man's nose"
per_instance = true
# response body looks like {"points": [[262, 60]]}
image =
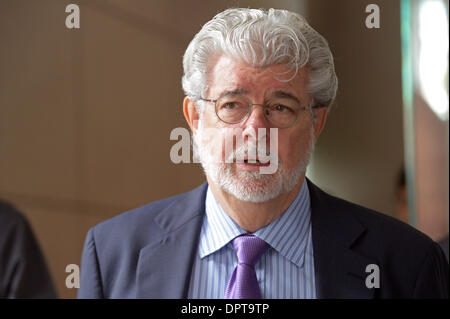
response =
{"points": [[255, 120]]}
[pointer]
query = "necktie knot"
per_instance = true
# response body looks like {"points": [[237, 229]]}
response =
{"points": [[249, 249]]}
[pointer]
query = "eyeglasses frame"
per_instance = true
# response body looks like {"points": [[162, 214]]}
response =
{"points": [[250, 110]]}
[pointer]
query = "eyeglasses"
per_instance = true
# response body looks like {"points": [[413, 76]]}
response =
{"points": [[280, 112]]}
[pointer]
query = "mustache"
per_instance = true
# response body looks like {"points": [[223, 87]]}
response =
{"points": [[248, 151], [234, 150]]}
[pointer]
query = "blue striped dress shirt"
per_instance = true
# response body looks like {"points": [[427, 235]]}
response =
{"points": [[286, 270]]}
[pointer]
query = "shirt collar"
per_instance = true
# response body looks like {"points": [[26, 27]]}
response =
{"points": [[218, 228], [288, 234]]}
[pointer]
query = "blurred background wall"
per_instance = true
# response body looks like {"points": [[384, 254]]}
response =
{"points": [[85, 114], [360, 153]]}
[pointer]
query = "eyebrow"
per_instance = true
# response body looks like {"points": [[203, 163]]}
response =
{"points": [[278, 93], [284, 94], [237, 91]]}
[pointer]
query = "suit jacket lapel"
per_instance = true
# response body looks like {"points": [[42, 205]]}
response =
{"points": [[340, 271], [165, 266]]}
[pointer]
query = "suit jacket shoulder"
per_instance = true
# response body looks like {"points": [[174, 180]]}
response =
{"points": [[113, 249], [411, 265]]}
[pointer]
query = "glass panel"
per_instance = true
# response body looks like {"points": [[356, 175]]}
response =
{"points": [[425, 96]]}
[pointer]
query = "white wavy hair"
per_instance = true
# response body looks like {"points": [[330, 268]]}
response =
{"points": [[261, 38]]}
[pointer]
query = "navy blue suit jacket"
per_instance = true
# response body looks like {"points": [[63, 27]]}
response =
{"points": [[149, 252]]}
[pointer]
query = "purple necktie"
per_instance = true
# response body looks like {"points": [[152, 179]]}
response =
{"points": [[243, 283]]}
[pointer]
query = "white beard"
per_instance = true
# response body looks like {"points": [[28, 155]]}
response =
{"points": [[250, 186]]}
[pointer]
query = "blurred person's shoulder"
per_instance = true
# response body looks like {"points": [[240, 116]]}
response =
{"points": [[11, 218]]}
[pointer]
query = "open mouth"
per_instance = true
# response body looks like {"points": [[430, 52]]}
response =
{"points": [[255, 162]]}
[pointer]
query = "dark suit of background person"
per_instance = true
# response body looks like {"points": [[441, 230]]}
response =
{"points": [[23, 271], [148, 252], [444, 245]]}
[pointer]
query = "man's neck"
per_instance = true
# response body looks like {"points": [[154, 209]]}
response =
{"points": [[253, 216]]}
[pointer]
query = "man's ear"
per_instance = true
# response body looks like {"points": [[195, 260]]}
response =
{"points": [[190, 113], [321, 118]]}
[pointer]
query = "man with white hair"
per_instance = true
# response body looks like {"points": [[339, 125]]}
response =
{"points": [[262, 82]]}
